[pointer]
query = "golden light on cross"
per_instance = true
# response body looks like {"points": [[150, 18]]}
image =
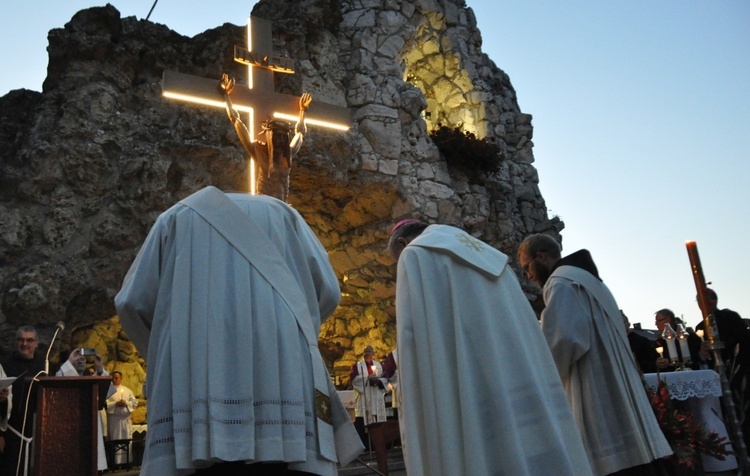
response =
{"points": [[259, 96], [276, 115], [312, 122], [250, 112], [202, 101]]}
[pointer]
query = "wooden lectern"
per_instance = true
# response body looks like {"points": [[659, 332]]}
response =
{"points": [[67, 425], [382, 433]]}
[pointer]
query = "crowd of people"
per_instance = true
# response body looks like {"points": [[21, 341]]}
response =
{"points": [[450, 319], [455, 307], [226, 298], [18, 401]]}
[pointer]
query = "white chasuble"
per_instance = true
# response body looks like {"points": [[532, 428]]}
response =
{"points": [[228, 294], [480, 394], [369, 400]]}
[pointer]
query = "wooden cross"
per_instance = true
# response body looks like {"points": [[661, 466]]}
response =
{"points": [[259, 98]]}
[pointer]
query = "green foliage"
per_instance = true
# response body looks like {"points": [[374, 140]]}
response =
{"points": [[463, 149]]}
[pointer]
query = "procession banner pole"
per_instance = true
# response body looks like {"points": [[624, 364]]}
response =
{"points": [[716, 345]]}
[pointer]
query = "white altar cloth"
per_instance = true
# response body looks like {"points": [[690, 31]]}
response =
{"points": [[701, 389]]}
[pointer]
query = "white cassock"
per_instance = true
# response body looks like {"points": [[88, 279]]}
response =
{"points": [[119, 426], [118, 417], [68, 370], [225, 301], [480, 392], [583, 326], [369, 400]]}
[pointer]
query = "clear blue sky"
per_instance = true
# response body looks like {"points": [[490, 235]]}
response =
{"points": [[641, 116]]}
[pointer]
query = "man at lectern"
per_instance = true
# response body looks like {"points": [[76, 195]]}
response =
{"points": [[75, 366]]}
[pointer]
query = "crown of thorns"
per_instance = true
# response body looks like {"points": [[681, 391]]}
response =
{"points": [[275, 125]]}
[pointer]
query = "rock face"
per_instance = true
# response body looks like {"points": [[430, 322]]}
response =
{"points": [[88, 164]]}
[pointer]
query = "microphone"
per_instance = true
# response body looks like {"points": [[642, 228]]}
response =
{"points": [[58, 327]]}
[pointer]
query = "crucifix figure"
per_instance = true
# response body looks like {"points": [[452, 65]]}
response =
{"points": [[274, 155], [259, 100]]}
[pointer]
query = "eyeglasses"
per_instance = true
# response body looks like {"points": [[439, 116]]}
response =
{"points": [[525, 267], [21, 340]]}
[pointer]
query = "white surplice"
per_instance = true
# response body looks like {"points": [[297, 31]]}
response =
{"points": [[225, 301], [118, 417], [480, 394], [119, 426], [369, 400], [583, 326]]}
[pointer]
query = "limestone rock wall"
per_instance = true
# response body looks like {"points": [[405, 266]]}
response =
{"points": [[87, 165]]}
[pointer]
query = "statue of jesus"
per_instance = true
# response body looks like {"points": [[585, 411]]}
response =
{"points": [[274, 155]]}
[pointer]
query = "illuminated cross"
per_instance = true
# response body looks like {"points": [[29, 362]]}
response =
{"points": [[259, 98]]}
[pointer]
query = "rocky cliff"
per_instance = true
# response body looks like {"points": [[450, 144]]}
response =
{"points": [[87, 165]]}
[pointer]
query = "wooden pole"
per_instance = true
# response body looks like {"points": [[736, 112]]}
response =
{"points": [[715, 345]]}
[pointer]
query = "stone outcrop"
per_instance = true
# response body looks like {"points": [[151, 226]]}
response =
{"points": [[89, 163]]}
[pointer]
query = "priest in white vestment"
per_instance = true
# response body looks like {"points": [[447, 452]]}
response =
{"points": [[74, 367], [369, 388], [225, 301], [480, 392], [119, 407], [369, 385], [583, 327]]}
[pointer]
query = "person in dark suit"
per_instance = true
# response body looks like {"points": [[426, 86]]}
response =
{"points": [[643, 348], [664, 364], [732, 330], [23, 361], [735, 336]]}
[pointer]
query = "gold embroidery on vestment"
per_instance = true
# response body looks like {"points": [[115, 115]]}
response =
{"points": [[472, 242], [323, 407]]}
